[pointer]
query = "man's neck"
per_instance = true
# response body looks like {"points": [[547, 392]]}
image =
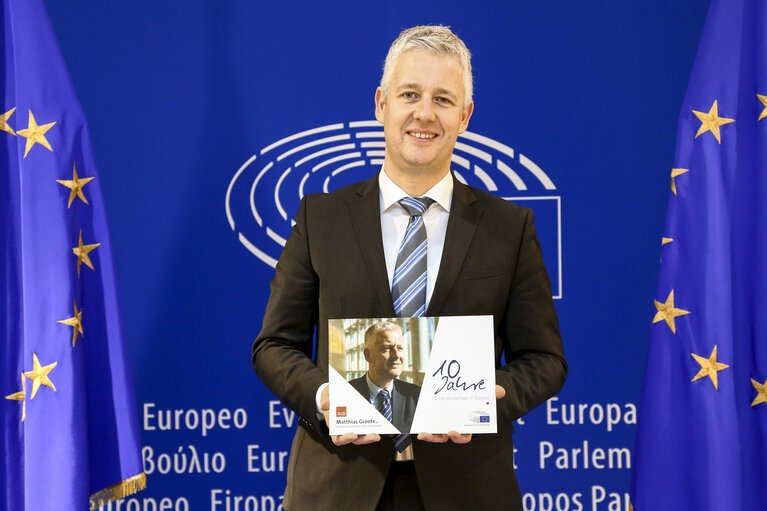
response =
{"points": [[380, 382], [416, 183]]}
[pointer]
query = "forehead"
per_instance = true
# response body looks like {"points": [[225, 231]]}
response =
{"points": [[389, 337], [428, 70]]}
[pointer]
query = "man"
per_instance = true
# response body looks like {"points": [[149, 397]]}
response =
{"points": [[385, 354], [481, 257]]}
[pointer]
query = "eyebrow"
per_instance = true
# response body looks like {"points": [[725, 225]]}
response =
{"points": [[445, 92], [441, 91]]}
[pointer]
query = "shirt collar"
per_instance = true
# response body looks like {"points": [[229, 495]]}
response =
{"points": [[374, 389], [441, 193]]}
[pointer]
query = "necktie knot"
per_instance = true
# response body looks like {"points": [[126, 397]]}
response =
{"points": [[415, 206]]}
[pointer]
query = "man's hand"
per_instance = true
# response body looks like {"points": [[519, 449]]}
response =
{"points": [[454, 436], [347, 438]]}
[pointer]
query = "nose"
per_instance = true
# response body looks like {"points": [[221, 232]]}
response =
{"points": [[424, 111]]}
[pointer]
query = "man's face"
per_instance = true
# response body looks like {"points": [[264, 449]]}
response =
{"points": [[422, 113], [386, 358]]}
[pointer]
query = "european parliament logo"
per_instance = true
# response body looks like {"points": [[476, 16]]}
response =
{"points": [[265, 192], [479, 417]]}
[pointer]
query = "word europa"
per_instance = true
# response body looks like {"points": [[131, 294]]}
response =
{"points": [[616, 457], [223, 500], [452, 380], [206, 419], [611, 414], [601, 500]]}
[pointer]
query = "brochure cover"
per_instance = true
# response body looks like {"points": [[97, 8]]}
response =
{"points": [[437, 375]]}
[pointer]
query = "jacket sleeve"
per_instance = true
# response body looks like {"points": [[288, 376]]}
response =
{"points": [[535, 367], [282, 352]]}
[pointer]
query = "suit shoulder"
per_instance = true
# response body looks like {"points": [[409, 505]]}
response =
{"points": [[360, 379], [360, 384], [340, 195], [407, 388], [497, 204]]}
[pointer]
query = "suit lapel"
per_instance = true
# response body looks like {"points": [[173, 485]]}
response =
{"points": [[364, 209], [399, 404], [461, 225]]}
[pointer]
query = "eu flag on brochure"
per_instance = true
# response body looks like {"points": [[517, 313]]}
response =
{"points": [[70, 437], [702, 429]]}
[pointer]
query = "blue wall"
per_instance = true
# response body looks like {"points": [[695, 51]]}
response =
{"points": [[180, 95]]}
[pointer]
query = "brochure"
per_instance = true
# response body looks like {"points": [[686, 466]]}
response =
{"points": [[437, 375]]}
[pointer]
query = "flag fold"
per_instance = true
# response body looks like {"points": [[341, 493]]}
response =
{"points": [[69, 421]]}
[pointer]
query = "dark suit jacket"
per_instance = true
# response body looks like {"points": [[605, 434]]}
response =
{"points": [[404, 399], [333, 266]]}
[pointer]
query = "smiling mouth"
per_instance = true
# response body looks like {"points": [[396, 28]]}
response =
{"points": [[421, 135]]}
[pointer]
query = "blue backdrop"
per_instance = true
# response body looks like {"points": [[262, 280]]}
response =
{"points": [[179, 96]]}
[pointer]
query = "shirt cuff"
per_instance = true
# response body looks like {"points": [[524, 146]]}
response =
{"points": [[318, 401]]}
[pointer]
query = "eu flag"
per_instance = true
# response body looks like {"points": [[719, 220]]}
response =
{"points": [[702, 430], [70, 435]]}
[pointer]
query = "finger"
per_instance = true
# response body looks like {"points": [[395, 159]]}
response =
{"points": [[458, 438], [437, 439], [367, 439], [499, 392], [344, 439]]}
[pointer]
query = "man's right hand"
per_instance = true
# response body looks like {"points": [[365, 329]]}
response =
{"points": [[346, 438]]}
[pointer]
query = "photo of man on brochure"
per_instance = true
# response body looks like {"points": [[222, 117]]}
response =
{"points": [[384, 359]]}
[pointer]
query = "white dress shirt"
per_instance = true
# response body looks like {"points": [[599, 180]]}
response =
{"points": [[394, 220], [374, 389]]}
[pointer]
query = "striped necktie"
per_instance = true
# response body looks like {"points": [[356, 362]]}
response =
{"points": [[409, 281], [384, 404]]}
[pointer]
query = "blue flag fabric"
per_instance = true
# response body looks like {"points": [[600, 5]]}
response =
{"points": [[702, 427], [70, 436]]}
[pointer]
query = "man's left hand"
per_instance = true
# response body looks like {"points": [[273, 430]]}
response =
{"points": [[454, 436]]}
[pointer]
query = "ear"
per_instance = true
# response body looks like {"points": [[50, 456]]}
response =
{"points": [[465, 116], [379, 98], [366, 353]]}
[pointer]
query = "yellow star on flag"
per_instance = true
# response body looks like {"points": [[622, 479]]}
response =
{"points": [[81, 251], [39, 375], [76, 185], [711, 122], [709, 367], [761, 389], [35, 134], [665, 241], [675, 173], [763, 99], [667, 312], [76, 322], [4, 121], [21, 396]]}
